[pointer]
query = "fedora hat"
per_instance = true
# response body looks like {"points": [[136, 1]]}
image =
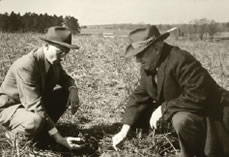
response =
{"points": [[61, 36], [143, 37]]}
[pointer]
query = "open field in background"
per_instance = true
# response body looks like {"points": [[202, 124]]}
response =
{"points": [[105, 80], [99, 32]]}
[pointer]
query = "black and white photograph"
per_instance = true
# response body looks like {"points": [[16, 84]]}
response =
{"points": [[114, 78]]}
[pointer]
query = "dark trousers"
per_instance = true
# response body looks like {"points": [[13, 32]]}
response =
{"points": [[198, 136], [55, 103]]}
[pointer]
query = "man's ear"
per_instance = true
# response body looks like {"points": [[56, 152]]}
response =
{"points": [[158, 46]]}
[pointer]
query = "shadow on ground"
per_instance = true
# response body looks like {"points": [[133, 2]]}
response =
{"points": [[97, 137], [97, 140]]}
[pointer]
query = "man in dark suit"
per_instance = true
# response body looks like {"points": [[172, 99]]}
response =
{"points": [[189, 98], [29, 102]]}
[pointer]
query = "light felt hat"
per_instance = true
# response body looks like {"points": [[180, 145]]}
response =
{"points": [[141, 38], [61, 36]]}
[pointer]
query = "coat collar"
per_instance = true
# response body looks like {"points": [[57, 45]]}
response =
{"points": [[161, 77], [161, 69], [43, 64]]}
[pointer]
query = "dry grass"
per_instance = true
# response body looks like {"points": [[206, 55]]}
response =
{"points": [[105, 80]]}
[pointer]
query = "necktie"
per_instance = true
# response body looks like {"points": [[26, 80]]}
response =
{"points": [[49, 78], [154, 79]]}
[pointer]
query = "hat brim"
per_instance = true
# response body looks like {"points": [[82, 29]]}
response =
{"points": [[60, 43], [130, 51]]}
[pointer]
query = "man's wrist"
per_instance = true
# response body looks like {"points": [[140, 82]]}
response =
{"points": [[72, 87], [57, 137], [53, 131], [125, 129]]}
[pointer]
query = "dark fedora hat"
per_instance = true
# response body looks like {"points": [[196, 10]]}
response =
{"points": [[143, 37], [61, 36]]}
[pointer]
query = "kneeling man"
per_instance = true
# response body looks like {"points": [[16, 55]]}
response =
{"points": [[189, 97], [29, 102]]}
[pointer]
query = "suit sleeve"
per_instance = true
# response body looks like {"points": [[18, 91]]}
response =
{"points": [[196, 87], [29, 88], [137, 104], [66, 81]]}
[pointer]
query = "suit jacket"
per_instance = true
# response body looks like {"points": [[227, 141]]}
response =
{"points": [[182, 85], [25, 84]]}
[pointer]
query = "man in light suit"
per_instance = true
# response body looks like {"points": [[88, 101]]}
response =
{"points": [[189, 97], [29, 102]]}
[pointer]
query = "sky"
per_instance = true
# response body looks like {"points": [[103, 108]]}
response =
{"points": [[96, 12]]}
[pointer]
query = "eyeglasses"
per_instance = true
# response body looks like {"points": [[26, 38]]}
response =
{"points": [[62, 53]]}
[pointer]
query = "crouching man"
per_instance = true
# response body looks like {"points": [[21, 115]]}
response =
{"points": [[29, 103], [189, 97]]}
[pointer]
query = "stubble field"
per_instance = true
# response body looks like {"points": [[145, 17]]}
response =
{"points": [[105, 80]]}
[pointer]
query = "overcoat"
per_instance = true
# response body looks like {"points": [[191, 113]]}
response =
{"points": [[182, 85], [25, 85]]}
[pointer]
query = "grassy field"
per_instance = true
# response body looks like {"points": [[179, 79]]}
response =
{"points": [[94, 31], [105, 80]]}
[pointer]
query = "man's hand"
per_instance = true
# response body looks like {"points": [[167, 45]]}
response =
{"points": [[73, 100], [120, 137], [156, 115], [72, 143]]}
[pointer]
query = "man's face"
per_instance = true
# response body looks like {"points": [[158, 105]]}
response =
{"points": [[54, 54], [149, 58]]}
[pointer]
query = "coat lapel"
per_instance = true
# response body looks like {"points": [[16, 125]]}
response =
{"points": [[161, 72], [160, 78], [149, 85], [43, 66], [161, 69]]}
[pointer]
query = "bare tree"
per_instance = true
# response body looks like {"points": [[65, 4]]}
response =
{"points": [[212, 29], [200, 26]]}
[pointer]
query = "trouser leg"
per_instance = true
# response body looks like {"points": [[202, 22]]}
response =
{"points": [[144, 118], [56, 103], [217, 139], [191, 131], [31, 124], [142, 125], [26, 123]]}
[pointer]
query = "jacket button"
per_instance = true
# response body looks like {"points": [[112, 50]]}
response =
{"points": [[154, 101]]}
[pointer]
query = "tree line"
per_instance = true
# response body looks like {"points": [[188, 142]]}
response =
{"points": [[32, 22], [203, 29]]}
